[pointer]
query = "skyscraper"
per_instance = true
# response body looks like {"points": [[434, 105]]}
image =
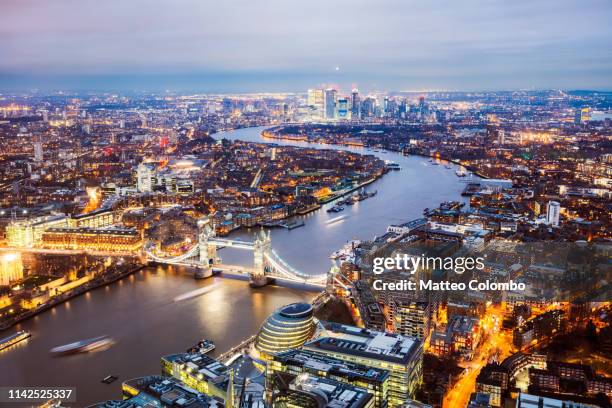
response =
{"points": [[552, 213], [330, 103], [343, 111], [355, 104], [316, 99]]}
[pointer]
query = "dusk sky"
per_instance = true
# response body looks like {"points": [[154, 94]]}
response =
{"points": [[283, 45]]}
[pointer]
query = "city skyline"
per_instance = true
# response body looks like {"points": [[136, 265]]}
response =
{"points": [[237, 46]]}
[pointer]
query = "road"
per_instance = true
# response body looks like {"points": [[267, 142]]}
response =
{"points": [[496, 346]]}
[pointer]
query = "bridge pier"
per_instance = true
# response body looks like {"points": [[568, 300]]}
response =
{"points": [[259, 281]]}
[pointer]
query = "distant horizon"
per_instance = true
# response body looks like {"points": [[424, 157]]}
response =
{"points": [[245, 46], [138, 83]]}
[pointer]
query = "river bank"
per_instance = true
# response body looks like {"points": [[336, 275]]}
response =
{"points": [[291, 138], [64, 297]]}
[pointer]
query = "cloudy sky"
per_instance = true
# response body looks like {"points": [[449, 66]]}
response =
{"points": [[258, 45]]}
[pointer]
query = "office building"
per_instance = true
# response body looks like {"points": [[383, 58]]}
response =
{"points": [[308, 391], [535, 401], [355, 104], [28, 233], [343, 108], [287, 328], [330, 104], [295, 362], [316, 100], [402, 356], [201, 373], [158, 391]]}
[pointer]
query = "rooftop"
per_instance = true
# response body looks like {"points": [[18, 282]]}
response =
{"points": [[376, 345], [331, 366]]}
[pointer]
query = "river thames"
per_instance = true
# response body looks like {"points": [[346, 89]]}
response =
{"points": [[146, 320]]}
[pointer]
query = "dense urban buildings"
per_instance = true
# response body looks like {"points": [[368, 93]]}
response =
{"points": [[96, 186]]}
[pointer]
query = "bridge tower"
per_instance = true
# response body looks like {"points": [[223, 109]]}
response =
{"points": [[261, 247], [207, 251]]}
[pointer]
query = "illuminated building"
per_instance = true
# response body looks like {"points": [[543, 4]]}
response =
{"points": [[202, 374], [158, 391], [28, 233], [552, 213], [493, 380], [413, 319], [316, 99], [295, 362], [11, 268], [401, 356], [145, 177], [569, 378], [99, 239], [355, 104], [307, 391], [287, 328], [343, 108], [99, 218], [535, 401], [538, 328], [330, 103]]}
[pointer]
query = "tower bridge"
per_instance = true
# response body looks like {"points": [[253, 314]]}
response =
{"points": [[268, 266]]}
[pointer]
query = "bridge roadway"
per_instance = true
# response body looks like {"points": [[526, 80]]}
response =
{"points": [[232, 243]]}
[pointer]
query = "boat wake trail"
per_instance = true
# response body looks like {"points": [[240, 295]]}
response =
{"points": [[196, 293]]}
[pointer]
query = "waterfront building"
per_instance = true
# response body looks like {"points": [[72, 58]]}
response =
{"points": [[295, 362], [330, 104], [287, 328], [552, 213], [308, 391], [402, 356], [98, 239], [157, 391], [201, 373], [28, 233]]}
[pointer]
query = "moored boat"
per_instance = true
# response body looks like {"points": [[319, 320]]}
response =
{"points": [[14, 339]]}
